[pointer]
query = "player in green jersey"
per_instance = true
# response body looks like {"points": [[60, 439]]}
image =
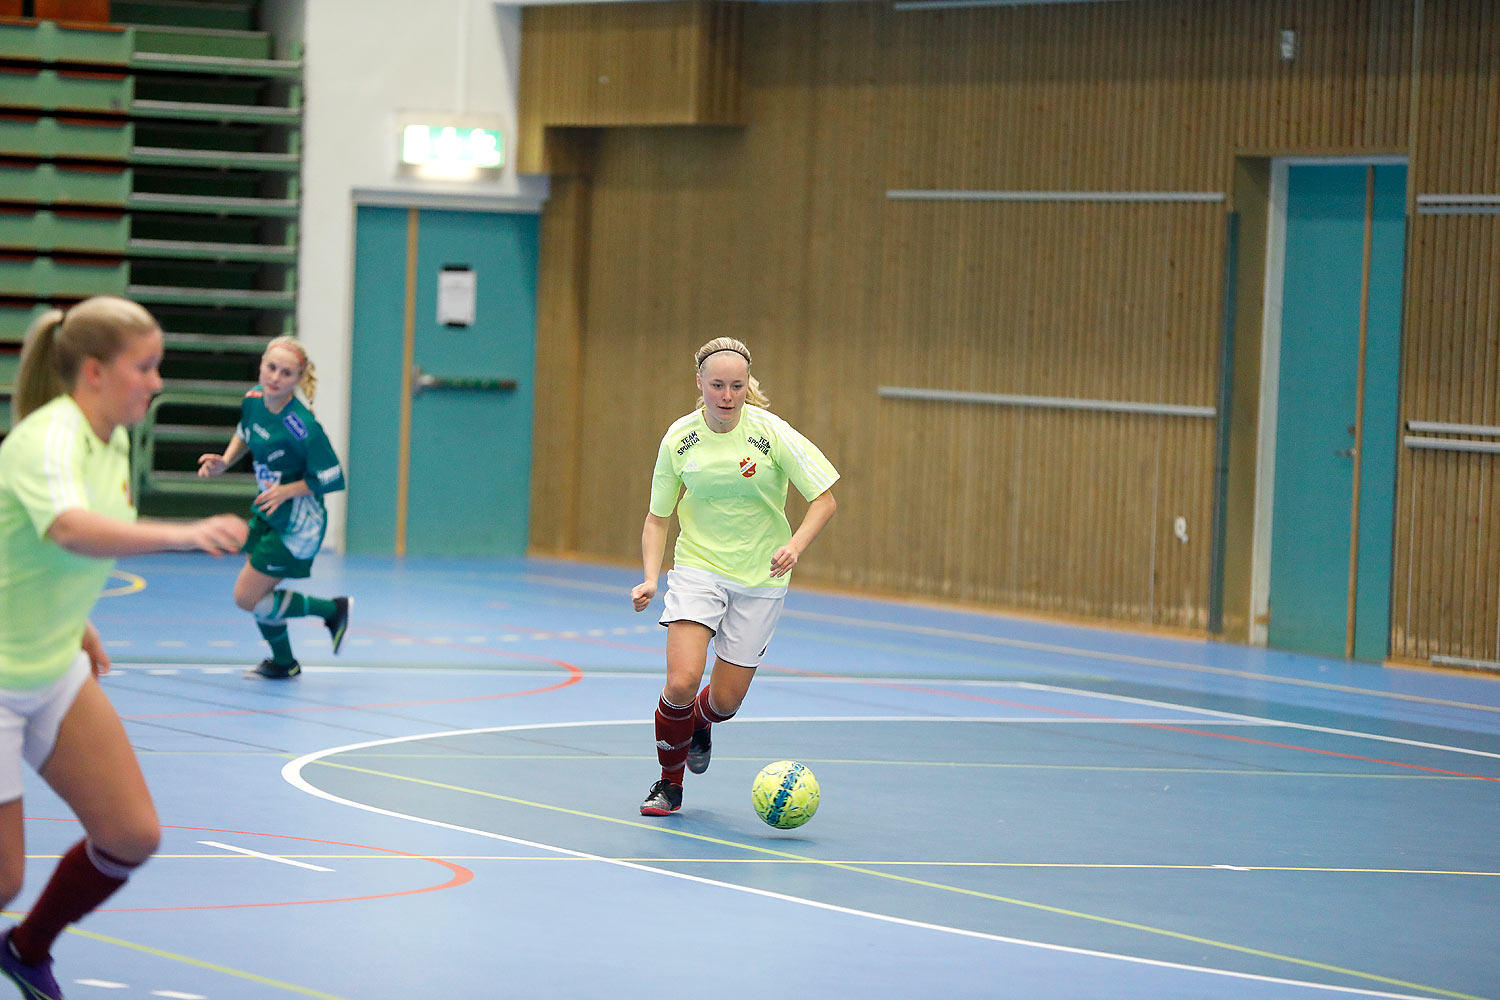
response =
{"points": [[294, 467], [730, 465], [65, 515]]}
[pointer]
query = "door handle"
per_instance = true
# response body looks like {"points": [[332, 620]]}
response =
{"points": [[1345, 453], [422, 382]]}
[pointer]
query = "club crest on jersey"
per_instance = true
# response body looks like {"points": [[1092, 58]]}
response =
{"points": [[747, 468], [296, 426]]}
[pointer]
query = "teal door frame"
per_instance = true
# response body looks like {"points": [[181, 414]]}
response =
{"points": [[1328, 432], [442, 403]]}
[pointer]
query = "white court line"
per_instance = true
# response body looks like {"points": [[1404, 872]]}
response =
{"points": [[266, 857], [292, 773], [1257, 720]]}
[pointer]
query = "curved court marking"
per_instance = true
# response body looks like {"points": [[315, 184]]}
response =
{"points": [[133, 584], [460, 874], [292, 773]]}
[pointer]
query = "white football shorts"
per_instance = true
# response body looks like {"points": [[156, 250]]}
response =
{"points": [[743, 619], [29, 721]]}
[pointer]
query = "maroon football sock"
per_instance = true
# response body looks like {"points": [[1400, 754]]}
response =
{"points": [[704, 713], [674, 729], [85, 877]]}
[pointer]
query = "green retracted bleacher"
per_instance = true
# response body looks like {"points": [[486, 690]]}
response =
{"points": [[156, 157]]}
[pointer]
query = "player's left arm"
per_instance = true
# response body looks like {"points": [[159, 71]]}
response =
{"points": [[99, 660], [322, 473], [274, 496], [819, 512], [814, 476]]}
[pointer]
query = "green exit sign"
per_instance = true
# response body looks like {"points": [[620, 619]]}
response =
{"points": [[447, 146]]}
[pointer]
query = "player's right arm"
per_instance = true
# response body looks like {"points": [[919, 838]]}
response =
{"points": [[666, 487], [85, 532], [211, 465], [653, 548]]}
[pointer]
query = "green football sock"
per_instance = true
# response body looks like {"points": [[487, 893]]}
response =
{"points": [[281, 646], [291, 604]]}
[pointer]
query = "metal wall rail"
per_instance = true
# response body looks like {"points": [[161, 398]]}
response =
{"points": [[1092, 196], [1451, 444], [1431, 427], [1421, 429], [1458, 204], [1045, 402]]}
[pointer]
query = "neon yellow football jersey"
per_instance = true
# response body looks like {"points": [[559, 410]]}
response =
{"points": [[732, 510], [49, 463]]}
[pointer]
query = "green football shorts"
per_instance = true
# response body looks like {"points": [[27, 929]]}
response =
{"points": [[269, 556]]}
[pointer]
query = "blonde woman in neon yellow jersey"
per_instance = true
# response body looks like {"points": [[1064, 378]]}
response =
{"points": [[65, 515], [724, 469]]}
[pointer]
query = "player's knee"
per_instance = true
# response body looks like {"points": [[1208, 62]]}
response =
{"points": [[679, 694], [130, 843], [245, 600], [12, 876]]}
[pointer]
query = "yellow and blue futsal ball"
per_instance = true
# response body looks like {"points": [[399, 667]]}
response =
{"points": [[785, 794]]}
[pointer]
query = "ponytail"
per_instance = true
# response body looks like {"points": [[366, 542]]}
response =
{"points": [[38, 379], [59, 340]]}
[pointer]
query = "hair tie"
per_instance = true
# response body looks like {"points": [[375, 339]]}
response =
{"points": [[731, 350], [291, 343]]}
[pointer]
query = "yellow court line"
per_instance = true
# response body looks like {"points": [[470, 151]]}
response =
{"points": [[200, 963], [859, 869], [1111, 768], [133, 584]]}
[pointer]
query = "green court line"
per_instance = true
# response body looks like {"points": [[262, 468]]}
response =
{"points": [[923, 883], [200, 963]]}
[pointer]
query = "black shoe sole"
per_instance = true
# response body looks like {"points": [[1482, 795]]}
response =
{"points": [[276, 675], [338, 629]]}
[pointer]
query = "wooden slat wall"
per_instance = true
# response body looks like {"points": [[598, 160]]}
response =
{"points": [[556, 502], [781, 233], [632, 64], [1446, 587]]}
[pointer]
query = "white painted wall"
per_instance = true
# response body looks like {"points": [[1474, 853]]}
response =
{"points": [[367, 62]]}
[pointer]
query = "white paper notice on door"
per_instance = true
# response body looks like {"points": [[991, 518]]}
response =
{"points": [[456, 294]]}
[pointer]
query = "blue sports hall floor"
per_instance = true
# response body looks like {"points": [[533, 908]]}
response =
{"points": [[1010, 808]]}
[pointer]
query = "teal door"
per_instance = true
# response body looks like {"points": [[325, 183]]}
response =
{"points": [[1333, 508], [441, 407]]}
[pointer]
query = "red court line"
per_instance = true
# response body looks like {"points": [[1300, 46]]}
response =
{"points": [[1183, 729], [574, 675], [461, 874]]}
